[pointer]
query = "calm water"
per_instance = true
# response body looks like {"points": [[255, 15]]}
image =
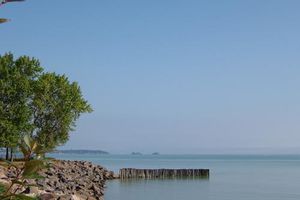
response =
{"points": [[241, 177]]}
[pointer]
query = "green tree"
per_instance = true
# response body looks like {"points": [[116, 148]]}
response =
{"points": [[17, 79], [56, 105], [44, 105]]}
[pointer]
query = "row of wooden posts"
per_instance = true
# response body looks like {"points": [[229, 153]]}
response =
{"points": [[129, 173]]}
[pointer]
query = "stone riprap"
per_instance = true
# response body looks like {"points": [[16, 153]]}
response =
{"points": [[128, 173], [69, 180]]}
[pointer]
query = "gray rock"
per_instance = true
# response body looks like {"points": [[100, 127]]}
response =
{"points": [[78, 180], [47, 196]]}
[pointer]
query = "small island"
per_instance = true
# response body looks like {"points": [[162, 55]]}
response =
{"points": [[136, 153]]}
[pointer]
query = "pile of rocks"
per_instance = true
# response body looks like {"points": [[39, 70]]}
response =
{"points": [[71, 180], [3, 176]]}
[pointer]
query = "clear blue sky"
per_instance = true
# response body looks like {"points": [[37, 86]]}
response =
{"points": [[170, 76]]}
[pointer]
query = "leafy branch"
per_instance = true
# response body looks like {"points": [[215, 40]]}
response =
{"points": [[28, 170]]}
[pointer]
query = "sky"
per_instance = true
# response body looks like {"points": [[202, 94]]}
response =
{"points": [[170, 76]]}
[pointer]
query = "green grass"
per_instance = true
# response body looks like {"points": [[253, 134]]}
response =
{"points": [[2, 189]]}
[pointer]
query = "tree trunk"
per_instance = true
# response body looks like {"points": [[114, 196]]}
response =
{"points": [[11, 155], [6, 155]]}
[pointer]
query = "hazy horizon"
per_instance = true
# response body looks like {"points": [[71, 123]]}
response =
{"points": [[209, 151], [170, 76]]}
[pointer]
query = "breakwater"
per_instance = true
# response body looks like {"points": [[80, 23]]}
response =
{"points": [[64, 179], [128, 173]]}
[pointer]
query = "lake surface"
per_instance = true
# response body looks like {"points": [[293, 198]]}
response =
{"points": [[232, 177]]}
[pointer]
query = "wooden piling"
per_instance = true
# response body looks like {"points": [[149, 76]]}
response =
{"points": [[128, 173]]}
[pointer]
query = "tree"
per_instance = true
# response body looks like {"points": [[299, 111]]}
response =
{"points": [[56, 105], [44, 105], [16, 82]]}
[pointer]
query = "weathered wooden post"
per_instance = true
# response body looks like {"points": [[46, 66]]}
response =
{"points": [[128, 173]]}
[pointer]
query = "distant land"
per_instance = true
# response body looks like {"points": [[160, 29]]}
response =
{"points": [[136, 153], [155, 153], [81, 151]]}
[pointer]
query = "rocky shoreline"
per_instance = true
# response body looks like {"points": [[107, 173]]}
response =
{"points": [[66, 180]]}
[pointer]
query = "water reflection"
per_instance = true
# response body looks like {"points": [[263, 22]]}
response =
{"points": [[146, 189]]}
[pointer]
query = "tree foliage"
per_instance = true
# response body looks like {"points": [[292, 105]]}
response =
{"points": [[44, 105], [17, 78], [57, 104]]}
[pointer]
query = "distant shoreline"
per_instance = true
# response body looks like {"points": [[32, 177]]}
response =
{"points": [[81, 151]]}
